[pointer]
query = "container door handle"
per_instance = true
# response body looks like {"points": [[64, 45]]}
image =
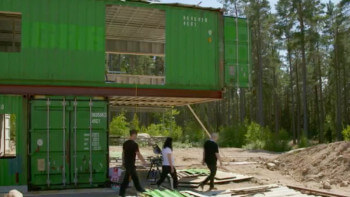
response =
{"points": [[48, 140]]}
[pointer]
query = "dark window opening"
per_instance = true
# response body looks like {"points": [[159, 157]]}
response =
{"points": [[10, 32], [135, 45], [7, 135]]}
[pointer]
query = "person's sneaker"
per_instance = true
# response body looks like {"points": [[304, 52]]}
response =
{"points": [[212, 188], [201, 186]]}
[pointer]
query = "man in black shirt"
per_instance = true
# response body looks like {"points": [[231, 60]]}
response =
{"points": [[130, 150], [210, 157]]}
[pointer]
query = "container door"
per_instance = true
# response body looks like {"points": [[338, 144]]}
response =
{"points": [[237, 62], [49, 141], [89, 148]]}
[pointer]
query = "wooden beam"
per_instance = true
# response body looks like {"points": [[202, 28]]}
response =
{"points": [[199, 121], [107, 91]]}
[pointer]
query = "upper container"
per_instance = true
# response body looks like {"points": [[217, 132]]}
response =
{"points": [[65, 42]]}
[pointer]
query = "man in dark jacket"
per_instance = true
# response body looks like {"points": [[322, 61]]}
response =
{"points": [[130, 150], [210, 157]]}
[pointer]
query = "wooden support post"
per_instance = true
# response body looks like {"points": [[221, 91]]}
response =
{"points": [[200, 122]]}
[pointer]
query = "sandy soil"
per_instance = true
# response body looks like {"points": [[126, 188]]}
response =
{"points": [[257, 167]]}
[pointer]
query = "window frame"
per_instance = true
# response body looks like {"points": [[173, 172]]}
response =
{"points": [[3, 138], [14, 16]]}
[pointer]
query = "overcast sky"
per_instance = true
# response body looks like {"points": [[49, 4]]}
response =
{"points": [[216, 4]]}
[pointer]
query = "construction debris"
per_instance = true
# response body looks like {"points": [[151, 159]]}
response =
{"points": [[193, 177], [265, 190], [165, 193]]}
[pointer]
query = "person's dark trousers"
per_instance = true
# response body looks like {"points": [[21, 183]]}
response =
{"points": [[212, 168], [130, 172], [165, 171]]}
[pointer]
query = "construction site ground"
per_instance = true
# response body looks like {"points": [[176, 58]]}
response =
{"points": [[287, 169]]}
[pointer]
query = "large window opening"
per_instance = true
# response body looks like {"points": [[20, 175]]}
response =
{"points": [[10, 32], [7, 135], [135, 45]]}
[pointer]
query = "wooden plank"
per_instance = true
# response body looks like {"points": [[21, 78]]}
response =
{"points": [[315, 192], [224, 175]]}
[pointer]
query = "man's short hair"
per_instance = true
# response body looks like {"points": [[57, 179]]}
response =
{"points": [[133, 131], [214, 135]]}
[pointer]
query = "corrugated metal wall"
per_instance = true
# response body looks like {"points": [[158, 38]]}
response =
{"points": [[237, 68], [193, 36], [63, 43], [62, 40], [13, 171]]}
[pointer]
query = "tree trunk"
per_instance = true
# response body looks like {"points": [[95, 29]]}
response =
{"points": [[345, 97], [338, 90], [289, 55], [260, 115], [304, 69], [275, 98], [321, 106], [298, 98], [242, 104]]}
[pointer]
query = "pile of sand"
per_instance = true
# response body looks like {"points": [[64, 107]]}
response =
{"points": [[328, 164]]}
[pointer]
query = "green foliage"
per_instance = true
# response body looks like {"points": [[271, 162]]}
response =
{"points": [[136, 64], [154, 130], [346, 133], [256, 136], [13, 127], [261, 138], [192, 132], [135, 123], [167, 127], [277, 142], [233, 136], [119, 126], [304, 142]]}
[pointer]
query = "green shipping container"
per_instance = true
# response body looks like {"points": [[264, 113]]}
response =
{"points": [[68, 143], [237, 62], [63, 42], [13, 169]]}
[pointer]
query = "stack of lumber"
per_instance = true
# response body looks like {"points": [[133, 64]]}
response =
{"points": [[193, 177]]}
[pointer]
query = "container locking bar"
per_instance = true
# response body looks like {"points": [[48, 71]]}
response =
{"points": [[75, 143], [48, 141], [64, 142], [90, 162]]}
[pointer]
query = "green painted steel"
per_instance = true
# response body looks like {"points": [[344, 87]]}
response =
{"points": [[13, 171], [166, 193], [60, 134], [62, 40], [237, 75], [63, 43]]}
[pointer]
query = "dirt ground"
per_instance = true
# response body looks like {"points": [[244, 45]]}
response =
{"points": [[256, 165]]}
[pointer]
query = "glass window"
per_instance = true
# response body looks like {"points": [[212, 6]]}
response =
{"points": [[7, 135]]}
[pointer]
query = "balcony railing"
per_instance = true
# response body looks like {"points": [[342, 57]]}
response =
{"points": [[135, 79]]}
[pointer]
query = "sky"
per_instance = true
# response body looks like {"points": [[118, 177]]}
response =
{"points": [[216, 4]]}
